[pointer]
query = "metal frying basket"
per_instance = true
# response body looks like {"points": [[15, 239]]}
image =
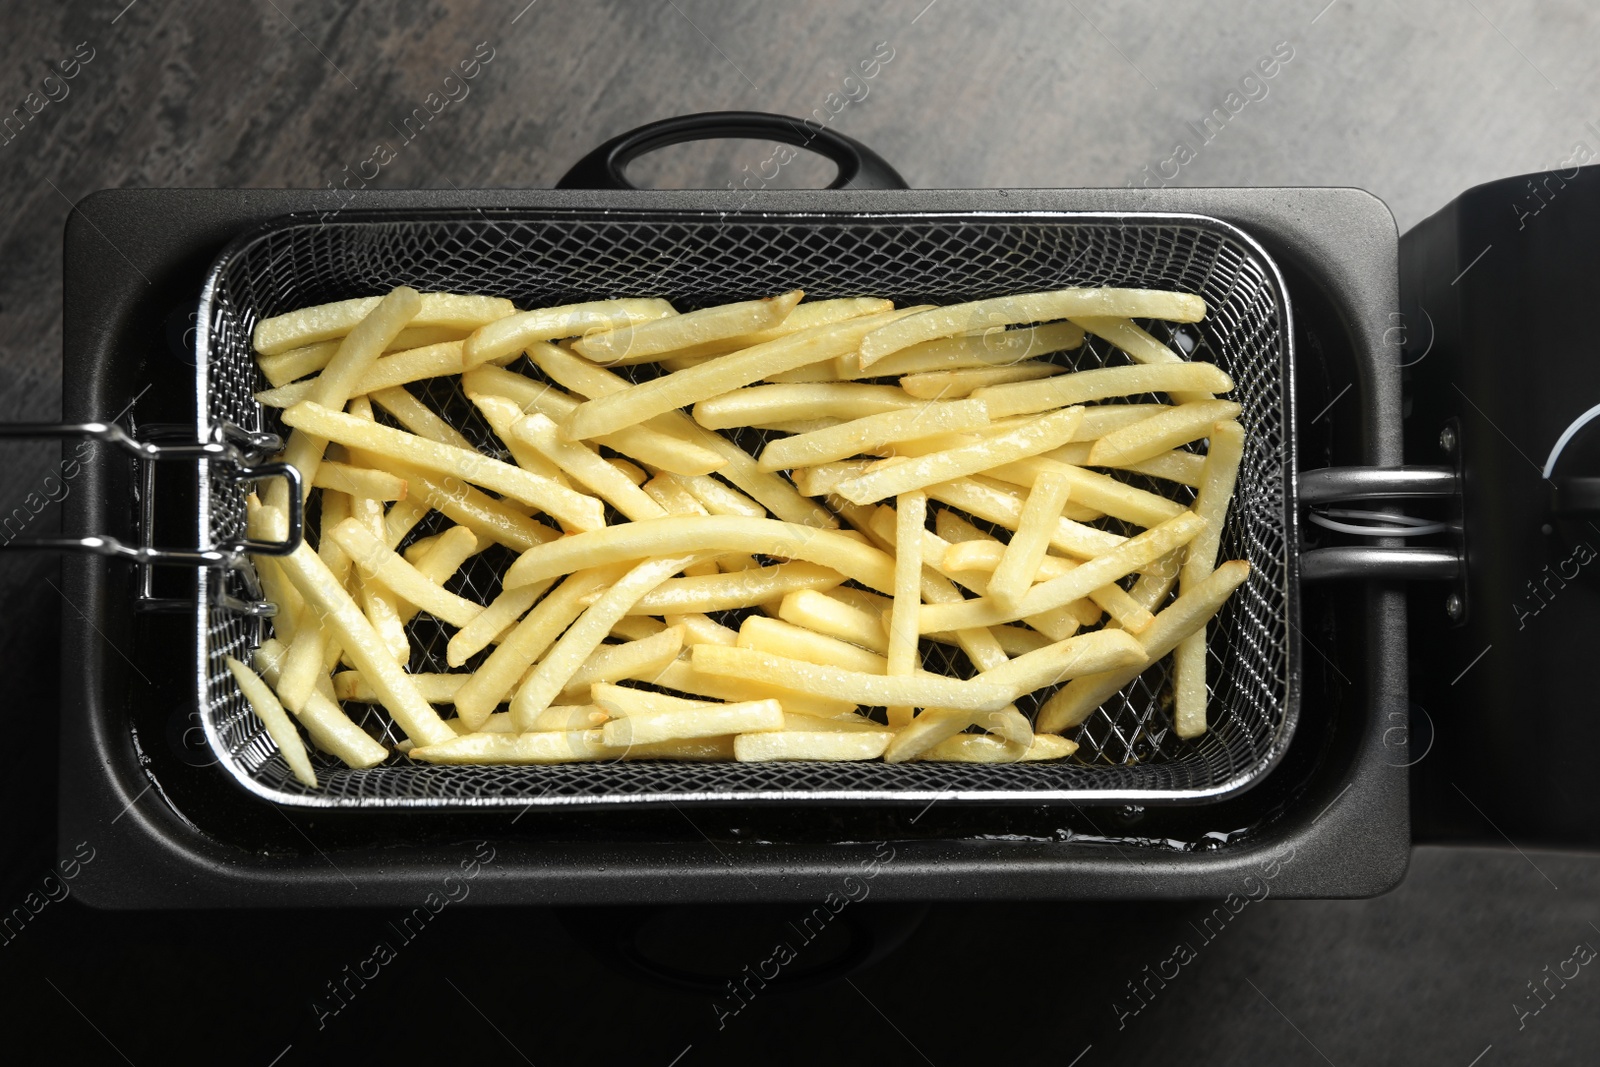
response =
{"points": [[1128, 750]]}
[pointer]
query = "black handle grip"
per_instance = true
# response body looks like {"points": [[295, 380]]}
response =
{"points": [[606, 167]]}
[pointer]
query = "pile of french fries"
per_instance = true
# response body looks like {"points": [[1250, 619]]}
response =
{"points": [[848, 545]]}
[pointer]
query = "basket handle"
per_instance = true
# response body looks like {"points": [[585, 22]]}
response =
{"points": [[606, 167]]}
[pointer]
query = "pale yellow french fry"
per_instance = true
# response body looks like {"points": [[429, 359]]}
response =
{"points": [[679, 389], [701, 629], [987, 501], [713, 533], [330, 729], [823, 746], [1190, 612], [682, 676], [803, 317], [545, 746], [986, 554], [382, 609], [1079, 582], [712, 720], [411, 365], [951, 384], [510, 335], [978, 748], [766, 405], [772, 490], [276, 720], [797, 642], [642, 659], [440, 561], [502, 612], [718, 498], [493, 681], [586, 467], [917, 690], [555, 717], [419, 418], [323, 593], [1019, 563], [711, 749], [1019, 398], [281, 594], [377, 562], [309, 325], [1160, 433], [851, 723], [435, 688], [1101, 492], [502, 414], [637, 627], [727, 591], [402, 517], [313, 643], [637, 344], [285, 367], [1091, 653], [1211, 503], [912, 512], [584, 636], [583, 512], [1038, 435], [995, 347], [335, 385], [620, 701], [1029, 307], [1140, 346], [834, 618], [489, 519], [666, 451], [631, 471], [359, 481], [872, 432], [936, 724], [825, 478], [1155, 582]]}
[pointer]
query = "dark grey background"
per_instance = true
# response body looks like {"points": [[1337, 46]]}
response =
{"points": [[1414, 102]]}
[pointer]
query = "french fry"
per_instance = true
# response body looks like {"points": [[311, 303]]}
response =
{"points": [[492, 682], [275, 719], [711, 720], [977, 748], [1160, 433], [1211, 503], [738, 467], [912, 513], [583, 512], [1077, 699], [681, 675], [587, 468], [502, 612], [831, 617], [720, 499], [822, 746], [411, 365], [1140, 346], [545, 746], [286, 367], [984, 348], [324, 594], [872, 432], [435, 688], [637, 627], [1079, 582], [985, 501], [734, 589], [330, 729], [326, 321], [583, 637], [803, 317], [936, 724], [419, 418], [765, 405], [684, 388], [377, 562], [1099, 491], [950, 384], [1038, 435], [619, 701], [1091, 653], [917, 690], [786, 639], [663, 450], [1028, 307], [986, 555], [1019, 563], [502, 414], [511, 334], [714, 533], [1020, 398], [636, 344], [489, 519], [643, 659], [359, 481], [701, 629]]}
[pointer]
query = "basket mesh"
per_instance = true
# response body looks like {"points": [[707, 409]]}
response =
{"points": [[1128, 749]]}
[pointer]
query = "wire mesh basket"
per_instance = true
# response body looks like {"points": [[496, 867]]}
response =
{"points": [[1128, 751]]}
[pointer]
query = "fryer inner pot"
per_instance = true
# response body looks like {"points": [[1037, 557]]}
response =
{"points": [[1128, 750]]}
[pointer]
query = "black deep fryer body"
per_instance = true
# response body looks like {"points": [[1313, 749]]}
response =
{"points": [[1330, 821]]}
